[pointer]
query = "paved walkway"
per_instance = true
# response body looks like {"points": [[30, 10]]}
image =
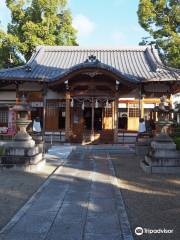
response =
{"points": [[81, 201]]}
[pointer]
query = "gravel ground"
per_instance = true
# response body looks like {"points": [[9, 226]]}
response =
{"points": [[152, 201], [16, 187]]}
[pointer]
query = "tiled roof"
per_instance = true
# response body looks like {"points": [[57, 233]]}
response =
{"points": [[51, 63]]}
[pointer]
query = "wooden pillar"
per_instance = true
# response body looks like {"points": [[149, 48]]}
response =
{"points": [[67, 120], [113, 113], [142, 107], [171, 105], [92, 120], [17, 93], [116, 120], [155, 114], [178, 118], [44, 114], [128, 115]]}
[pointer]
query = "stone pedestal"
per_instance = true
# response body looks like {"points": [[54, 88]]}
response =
{"points": [[17, 155], [142, 145], [162, 156], [164, 127]]}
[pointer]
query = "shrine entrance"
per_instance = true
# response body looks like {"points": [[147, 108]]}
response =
{"points": [[91, 103], [97, 119], [92, 118]]}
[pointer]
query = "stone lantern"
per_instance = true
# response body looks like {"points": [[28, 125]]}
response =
{"points": [[164, 113], [22, 151], [162, 156], [22, 122]]}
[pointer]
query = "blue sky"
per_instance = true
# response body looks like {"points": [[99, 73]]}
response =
{"points": [[100, 22]]}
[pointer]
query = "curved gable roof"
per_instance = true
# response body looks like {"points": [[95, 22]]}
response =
{"points": [[52, 62]]}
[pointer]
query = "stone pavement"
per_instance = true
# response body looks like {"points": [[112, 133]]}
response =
{"points": [[80, 201]]}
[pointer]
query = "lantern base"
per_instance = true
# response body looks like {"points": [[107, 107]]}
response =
{"points": [[21, 153]]}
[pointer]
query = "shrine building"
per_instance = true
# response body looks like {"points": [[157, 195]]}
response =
{"points": [[95, 92]]}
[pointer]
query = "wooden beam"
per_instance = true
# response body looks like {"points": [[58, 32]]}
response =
{"points": [[92, 93], [113, 76], [67, 117], [92, 85], [116, 119], [44, 114], [92, 120]]}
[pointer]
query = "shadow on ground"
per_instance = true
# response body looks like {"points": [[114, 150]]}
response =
{"points": [[152, 201]]}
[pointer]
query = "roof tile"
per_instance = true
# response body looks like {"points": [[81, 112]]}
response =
{"points": [[50, 62]]}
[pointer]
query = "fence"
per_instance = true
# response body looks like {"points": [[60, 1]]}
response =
{"points": [[55, 136], [127, 137]]}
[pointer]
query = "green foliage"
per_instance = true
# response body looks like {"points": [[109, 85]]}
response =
{"points": [[176, 136], [161, 18], [35, 22], [2, 151], [8, 44], [176, 139]]}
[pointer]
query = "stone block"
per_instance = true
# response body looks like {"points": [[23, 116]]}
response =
{"points": [[159, 169], [19, 144], [32, 151], [141, 150], [35, 159], [40, 146], [165, 154], [15, 152], [166, 145], [162, 154]]}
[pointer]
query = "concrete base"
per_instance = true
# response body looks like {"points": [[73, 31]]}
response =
{"points": [[24, 167], [19, 144], [142, 145], [159, 169], [163, 161], [16, 153], [162, 156], [141, 150], [37, 138], [9, 160]]}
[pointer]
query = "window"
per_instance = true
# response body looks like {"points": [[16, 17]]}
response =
{"points": [[3, 117], [133, 110], [108, 112]]}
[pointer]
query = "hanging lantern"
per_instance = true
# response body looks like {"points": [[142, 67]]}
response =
{"points": [[83, 105], [96, 104], [72, 103], [107, 103]]}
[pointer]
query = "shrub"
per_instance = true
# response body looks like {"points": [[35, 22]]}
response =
{"points": [[2, 151], [176, 139]]}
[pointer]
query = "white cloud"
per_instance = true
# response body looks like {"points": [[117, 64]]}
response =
{"points": [[84, 25]]}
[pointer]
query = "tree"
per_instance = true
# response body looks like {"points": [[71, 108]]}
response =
{"points": [[35, 22], [161, 18]]}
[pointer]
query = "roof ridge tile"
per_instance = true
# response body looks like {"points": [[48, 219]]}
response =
{"points": [[79, 48]]}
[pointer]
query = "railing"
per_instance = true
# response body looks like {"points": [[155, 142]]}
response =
{"points": [[125, 137], [8, 135], [52, 137]]}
